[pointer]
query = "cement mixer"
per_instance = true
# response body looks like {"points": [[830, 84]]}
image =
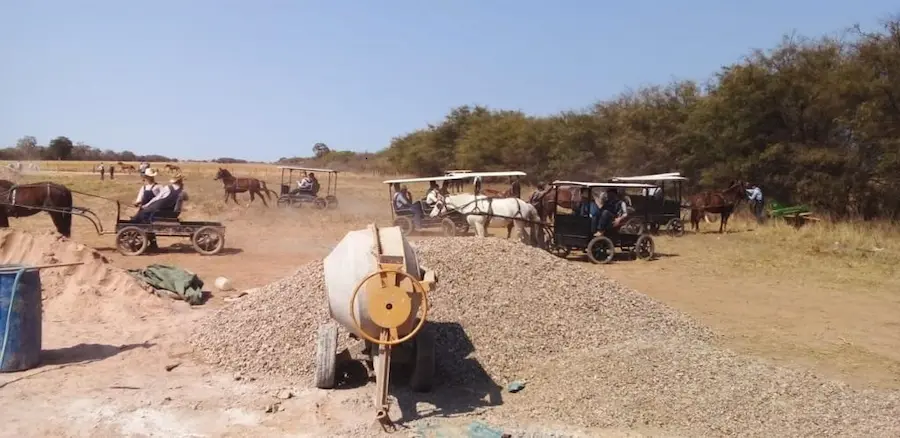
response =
{"points": [[376, 288]]}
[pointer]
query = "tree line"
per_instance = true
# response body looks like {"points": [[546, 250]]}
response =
{"points": [[62, 148], [813, 121]]}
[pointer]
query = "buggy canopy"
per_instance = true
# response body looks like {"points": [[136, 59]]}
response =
{"points": [[307, 169], [457, 176], [672, 176], [611, 185]]}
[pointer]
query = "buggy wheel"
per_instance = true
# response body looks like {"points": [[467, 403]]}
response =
{"points": [[634, 226], [131, 241], [644, 248], [405, 224], [601, 250], [675, 227], [208, 240], [283, 202], [332, 202], [448, 226], [422, 378], [320, 203], [296, 203], [326, 356]]}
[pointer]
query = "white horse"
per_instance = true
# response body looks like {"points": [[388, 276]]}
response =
{"points": [[480, 210]]}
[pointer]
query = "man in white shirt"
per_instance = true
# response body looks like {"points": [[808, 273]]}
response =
{"points": [[431, 197], [149, 196]]}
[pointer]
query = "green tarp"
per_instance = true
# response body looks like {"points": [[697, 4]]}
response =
{"points": [[182, 284]]}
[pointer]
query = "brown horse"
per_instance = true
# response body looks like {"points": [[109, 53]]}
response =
{"points": [[234, 185], [717, 202], [172, 168], [127, 168], [25, 200], [547, 202]]}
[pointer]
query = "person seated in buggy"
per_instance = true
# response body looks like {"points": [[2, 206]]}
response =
{"points": [[403, 203], [166, 204], [431, 197], [307, 185], [613, 213]]}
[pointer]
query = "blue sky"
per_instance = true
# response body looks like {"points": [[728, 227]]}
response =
{"points": [[265, 79]]}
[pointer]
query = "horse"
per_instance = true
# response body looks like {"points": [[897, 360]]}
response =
{"points": [[481, 210], [172, 168], [717, 202], [233, 186], [546, 203], [127, 168], [23, 200]]}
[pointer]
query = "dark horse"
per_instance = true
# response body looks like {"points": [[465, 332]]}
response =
{"points": [[23, 200], [234, 185], [717, 202], [546, 204]]}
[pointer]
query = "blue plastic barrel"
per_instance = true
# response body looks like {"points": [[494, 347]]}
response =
{"points": [[20, 318]]}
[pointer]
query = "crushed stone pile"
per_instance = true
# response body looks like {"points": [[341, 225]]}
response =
{"points": [[270, 331], [592, 352], [94, 292]]}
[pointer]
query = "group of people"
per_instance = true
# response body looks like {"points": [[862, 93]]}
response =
{"points": [[402, 200], [102, 169], [158, 200]]}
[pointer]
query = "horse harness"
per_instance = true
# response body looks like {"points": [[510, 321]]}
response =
{"points": [[10, 200]]}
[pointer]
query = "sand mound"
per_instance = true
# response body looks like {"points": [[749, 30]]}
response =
{"points": [[95, 292], [594, 353]]}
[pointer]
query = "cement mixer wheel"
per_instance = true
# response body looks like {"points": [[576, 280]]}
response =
{"points": [[422, 378], [326, 356]]}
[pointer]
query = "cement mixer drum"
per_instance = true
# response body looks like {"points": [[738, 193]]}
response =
{"points": [[377, 290]]}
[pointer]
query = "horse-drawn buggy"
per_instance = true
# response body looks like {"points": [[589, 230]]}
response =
{"points": [[452, 221], [132, 237], [570, 230], [299, 195], [658, 207]]}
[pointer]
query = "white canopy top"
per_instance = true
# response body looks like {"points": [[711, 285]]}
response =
{"points": [[457, 176], [672, 176], [308, 169], [604, 184]]}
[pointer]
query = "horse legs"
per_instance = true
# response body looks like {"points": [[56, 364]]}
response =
{"points": [[226, 196], [724, 222], [4, 219], [63, 222], [695, 220], [262, 196], [478, 223], [234, 197], [509, 228]]}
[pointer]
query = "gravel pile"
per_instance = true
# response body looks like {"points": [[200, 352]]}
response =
{"points": [[592, 353], [270, 331], [510, 305]]}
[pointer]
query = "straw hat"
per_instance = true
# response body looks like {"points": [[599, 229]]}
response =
{"points": [[177, 179], [151, 173]]}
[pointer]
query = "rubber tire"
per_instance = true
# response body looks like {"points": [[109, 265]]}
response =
{"points": [[140, 250], [448, 226], [405, 224], [422, 377], [326, 356], [651, 249], [601, 240], [675, 227], [213, 251]]}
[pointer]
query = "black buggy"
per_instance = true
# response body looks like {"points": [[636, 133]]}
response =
{"points": [[658, 208], [290, 196], [572, 232]]}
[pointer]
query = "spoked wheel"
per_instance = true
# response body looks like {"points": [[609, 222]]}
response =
{"points": [[644, 248], [448, 226], [601, 250], [675, 227], [320, 203], [634, 226], [326, 356], [405, 224], [283, 202], [208, 240], [131, 241]]}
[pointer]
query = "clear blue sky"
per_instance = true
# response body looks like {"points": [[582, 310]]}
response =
{"points": [[265, 79]]}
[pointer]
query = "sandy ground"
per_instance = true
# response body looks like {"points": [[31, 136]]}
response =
{"points": [[101, 382]]}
